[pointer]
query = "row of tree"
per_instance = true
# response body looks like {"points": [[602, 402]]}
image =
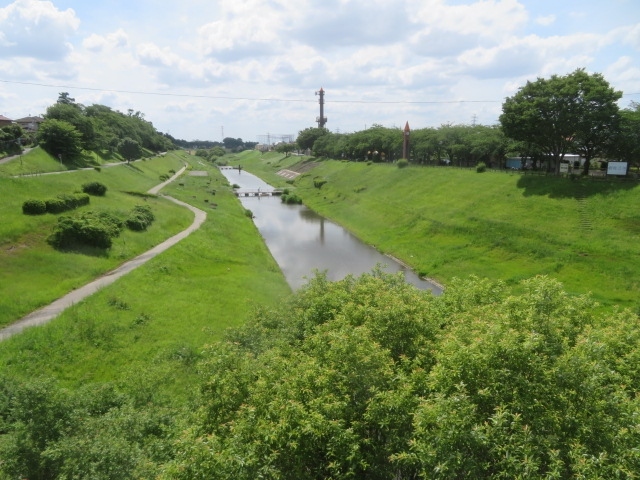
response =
{"points": [[71, 128], [230, 144], [545, 120]]}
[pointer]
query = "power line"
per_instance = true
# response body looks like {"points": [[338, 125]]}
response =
{"points": [[222, 97]]}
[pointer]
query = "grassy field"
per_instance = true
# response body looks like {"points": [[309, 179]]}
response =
{"points": [[32, 273], [148, 328], [448, 222]]}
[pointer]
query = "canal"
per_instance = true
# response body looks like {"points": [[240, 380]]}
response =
{"points": [[301, 241]]}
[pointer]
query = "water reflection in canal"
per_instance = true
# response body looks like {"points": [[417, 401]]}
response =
{"points": [[302, 241]]}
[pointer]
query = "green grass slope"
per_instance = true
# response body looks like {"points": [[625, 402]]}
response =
{"points": [[145, 331], [448, 222]]}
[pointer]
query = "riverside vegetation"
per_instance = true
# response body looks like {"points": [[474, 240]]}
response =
{"points": [[506, 377]]}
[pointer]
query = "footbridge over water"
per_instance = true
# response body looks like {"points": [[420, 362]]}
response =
{"points": [[257, 193]]}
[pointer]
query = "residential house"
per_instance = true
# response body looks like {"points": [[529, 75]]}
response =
{"points": [[30, 124]]}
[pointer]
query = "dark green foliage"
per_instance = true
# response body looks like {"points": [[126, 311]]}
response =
{"points": [[402, 163], [95, 188], [319, 182], [34, 207], [290, 199], [140, 218], [65, 202], [61, 139], [10, 139], [130, 149], [93, 229], [371, 378], [481, 167], [95, 432]]}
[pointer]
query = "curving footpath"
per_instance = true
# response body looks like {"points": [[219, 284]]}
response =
{"points": [[51, 311]]}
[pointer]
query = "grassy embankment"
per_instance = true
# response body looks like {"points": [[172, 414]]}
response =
{"points": [[448, 222], [146, 330]]}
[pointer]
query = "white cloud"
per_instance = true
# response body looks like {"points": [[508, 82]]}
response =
{"points": [[97, 43], [209, 54], [546, 20], [37, 29]]}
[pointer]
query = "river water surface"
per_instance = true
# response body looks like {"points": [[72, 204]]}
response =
{"points": [[301, 241]]}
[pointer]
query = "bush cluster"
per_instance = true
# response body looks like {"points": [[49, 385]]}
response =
{"points": [[65, 202], [402, 163], [59, 204], [319, 182], [290, 198], [94, 188], [140, 218], [93, 229], [481, 167], [34, 207]]}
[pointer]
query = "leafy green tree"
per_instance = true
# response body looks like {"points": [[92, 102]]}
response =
{"points": [[64, 98], [234, 144], [285, 148], [307, 137], [597, 115], [129, 149], [60, 139], [11, 137], [626, 144], [574, 111]]}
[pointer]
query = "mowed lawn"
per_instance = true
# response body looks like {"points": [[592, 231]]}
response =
{"points": [[33, 274]]}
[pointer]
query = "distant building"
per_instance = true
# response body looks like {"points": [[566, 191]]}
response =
{"points": [[30, 124], [4, 121]]}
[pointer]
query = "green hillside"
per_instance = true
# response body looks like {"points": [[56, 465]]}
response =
{"points": [[449, 222]]}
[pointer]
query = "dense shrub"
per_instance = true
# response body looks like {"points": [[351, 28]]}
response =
{"points": [[140, 218], [94, 229], [371, 378], [319, 182], [34, 207], [65, 202], [290, 198], [402, 163], [481, 167], [94, 188]]}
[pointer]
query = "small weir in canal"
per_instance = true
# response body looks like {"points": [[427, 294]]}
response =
{"points": [[301, 241]]}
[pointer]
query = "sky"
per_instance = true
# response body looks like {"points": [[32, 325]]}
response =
{"points": [[251, 69]]}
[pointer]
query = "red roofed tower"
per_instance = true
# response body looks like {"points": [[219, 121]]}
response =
{"points": [[405, 141]]}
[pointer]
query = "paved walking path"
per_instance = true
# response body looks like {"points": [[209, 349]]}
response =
{"points": [[51, 311]]}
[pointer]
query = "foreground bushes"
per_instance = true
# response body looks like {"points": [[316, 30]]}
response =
{"points": [[370, 378], [365, 378]]}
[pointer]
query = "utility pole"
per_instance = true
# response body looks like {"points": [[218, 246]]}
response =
{"points": [[321, 119]]}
